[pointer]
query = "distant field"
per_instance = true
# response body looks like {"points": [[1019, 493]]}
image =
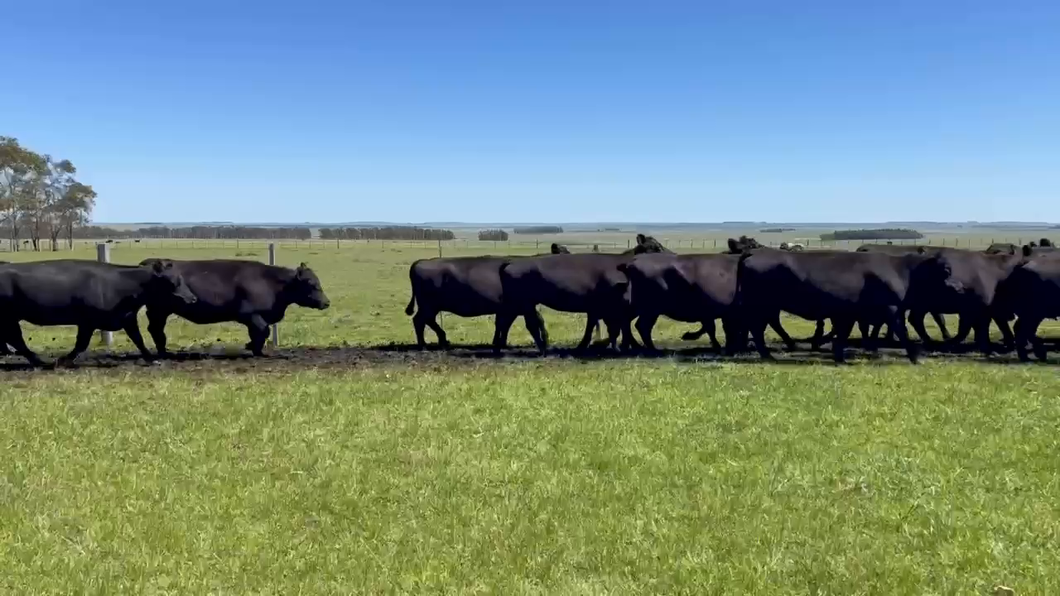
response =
{"points": [[401, 473], [687, 240]]}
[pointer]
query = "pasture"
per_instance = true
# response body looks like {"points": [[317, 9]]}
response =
{"points": [[352, 464]]}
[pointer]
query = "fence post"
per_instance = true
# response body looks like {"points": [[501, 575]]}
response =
{"points": [[275, 327], [103, 256], [439, 248]]}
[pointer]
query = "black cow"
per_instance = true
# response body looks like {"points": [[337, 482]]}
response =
{"points": [[1032, 292], [688, 288], [559, 249], [964, 282], [252, 293], [845, 287], [464, 286], [899, 250], [589, 283], [87, 294]]}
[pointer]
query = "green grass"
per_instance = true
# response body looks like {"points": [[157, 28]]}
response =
{"points": [[546, 477]]}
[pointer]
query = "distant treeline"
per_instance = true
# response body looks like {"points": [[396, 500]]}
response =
{"points": [[538, 230], [386, 233], [883, 234], [196, 232], [494, 235], [776, 230]]}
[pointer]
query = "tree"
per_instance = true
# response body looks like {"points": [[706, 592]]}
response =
{"points": [[72, 211], [44, 201], [20, 174]]}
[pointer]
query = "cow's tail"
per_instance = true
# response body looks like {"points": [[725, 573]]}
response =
{"points": [[411, 308]]}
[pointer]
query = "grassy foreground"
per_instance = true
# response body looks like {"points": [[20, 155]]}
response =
{"points": [[641, 476], [534, 478]]}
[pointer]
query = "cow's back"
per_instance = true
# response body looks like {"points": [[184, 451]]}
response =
{"points": [[576, 283], [227, 289], [465, 286]]}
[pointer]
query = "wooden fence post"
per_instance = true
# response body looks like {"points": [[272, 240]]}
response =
{"points": [[275, 327], [103, 256]]}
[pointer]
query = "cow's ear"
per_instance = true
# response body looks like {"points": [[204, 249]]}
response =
{"points": [[302, 270], [641, 239], [733, 247], [1027, 250]]}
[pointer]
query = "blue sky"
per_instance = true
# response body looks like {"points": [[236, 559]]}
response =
{"points": [[545, 111]]}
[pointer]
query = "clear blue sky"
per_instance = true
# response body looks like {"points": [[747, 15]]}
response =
{"points": [[544, 111]]}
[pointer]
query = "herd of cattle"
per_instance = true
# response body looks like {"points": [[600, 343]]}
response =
{"points": [[747, 288]]}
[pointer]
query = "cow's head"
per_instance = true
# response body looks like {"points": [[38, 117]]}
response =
{"points": [[305, 289], [166, 282], [558, 249]]}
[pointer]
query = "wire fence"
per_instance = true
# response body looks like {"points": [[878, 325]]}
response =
{"points": [[709, 244]]}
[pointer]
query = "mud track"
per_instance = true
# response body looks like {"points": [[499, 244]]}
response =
{"points": [[286, 361]]}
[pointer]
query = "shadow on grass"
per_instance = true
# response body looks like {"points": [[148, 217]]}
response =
{"points": [[293, 359]]}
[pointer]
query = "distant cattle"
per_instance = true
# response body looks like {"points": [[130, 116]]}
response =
{"points": [[583, 283], [845, 287], [87, 294], [559, 249], [248, 292], [1002, 248]]}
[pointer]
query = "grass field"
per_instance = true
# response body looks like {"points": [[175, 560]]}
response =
{"points": [[526, 475]]}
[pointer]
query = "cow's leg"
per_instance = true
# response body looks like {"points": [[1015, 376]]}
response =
{"points": [[818, 336], [712, 331], [867, 340], [629, 343], [982, 334], [841, 327], [1007, 337], [645, 324], [735, 336], [156, 326], [757, 327], [916, 319], [896, 324], [12, 332], [1026, 332], [774, 322], [84, 338], [132, 329], [502, 323], [940, 320], [695, 335], [964, 327], [419, 324], [587, 337], [258, 330], [536, 326]]}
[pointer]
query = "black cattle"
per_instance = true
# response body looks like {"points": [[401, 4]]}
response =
{"points": [[1032, 292], [1002, 248], [964, 282], [892, 249], [248, 292], [559, 249], [464, 286], [87, 294], [845, 287], [690, 289], [899, 250], [589, 283], [1045, 243]]}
